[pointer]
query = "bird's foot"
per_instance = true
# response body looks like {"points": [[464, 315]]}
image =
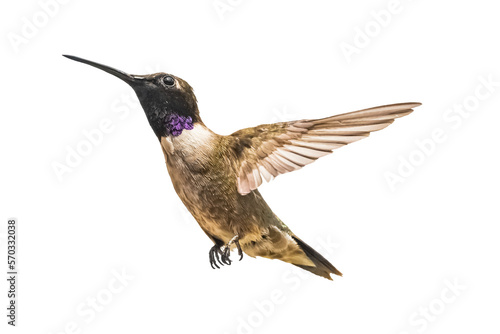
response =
{"points": [[214, 256], [221, 257], [227, 248]]}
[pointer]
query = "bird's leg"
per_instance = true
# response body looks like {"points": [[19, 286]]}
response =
{"points": [[227, 249]]}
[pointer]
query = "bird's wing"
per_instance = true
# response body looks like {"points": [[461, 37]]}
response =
{"points": [[269, 150]]}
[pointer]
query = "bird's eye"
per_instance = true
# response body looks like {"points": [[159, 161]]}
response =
{"points": [[168, 80]]}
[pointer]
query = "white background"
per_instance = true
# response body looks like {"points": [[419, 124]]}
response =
{"points": [[258, 62]]}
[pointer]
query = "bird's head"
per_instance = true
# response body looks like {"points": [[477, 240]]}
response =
{"points": [[168, 101]]}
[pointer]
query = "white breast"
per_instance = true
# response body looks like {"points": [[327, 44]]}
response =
{"points": [[193, 141]]}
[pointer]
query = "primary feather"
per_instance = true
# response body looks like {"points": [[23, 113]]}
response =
{"points": [[272, 149]]}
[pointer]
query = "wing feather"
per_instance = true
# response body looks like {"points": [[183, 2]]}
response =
{"points": [[268, 150]]}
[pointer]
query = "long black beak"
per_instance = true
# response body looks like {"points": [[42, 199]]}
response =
{"points": [[128, 78]]}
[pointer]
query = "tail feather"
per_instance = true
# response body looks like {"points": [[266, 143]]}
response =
{"points": [[321, 267]]}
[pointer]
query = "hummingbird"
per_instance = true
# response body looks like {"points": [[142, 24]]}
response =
{"points": [[217, 177]]}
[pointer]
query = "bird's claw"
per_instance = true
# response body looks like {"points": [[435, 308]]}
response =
{"points": [[217, 255], [240, 252], [225, 255], [214, 256]]}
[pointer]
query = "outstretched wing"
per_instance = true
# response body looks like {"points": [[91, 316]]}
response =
{"points": [[269, 150]]}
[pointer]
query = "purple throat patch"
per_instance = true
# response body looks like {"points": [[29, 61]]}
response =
{"points": [[176, 123]]}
